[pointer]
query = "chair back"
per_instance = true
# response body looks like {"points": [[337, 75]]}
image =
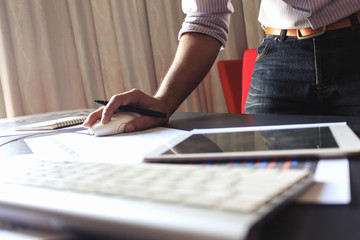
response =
{"points": [[235, 77]]}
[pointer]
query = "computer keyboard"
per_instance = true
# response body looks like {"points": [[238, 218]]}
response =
{"points": [[225, 188]]}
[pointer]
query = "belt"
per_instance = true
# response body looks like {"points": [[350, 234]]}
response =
{"points": [[303, 33]]}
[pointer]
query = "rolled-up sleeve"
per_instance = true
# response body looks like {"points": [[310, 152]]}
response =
{"points": [[210, 17]]}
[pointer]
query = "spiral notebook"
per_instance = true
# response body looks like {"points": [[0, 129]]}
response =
{"points": [[53, 124]]}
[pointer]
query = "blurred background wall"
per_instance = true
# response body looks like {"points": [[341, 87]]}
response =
{"points": [[63, 54]]}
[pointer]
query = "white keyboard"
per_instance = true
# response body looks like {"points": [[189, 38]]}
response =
{"points": [[225, 188]]}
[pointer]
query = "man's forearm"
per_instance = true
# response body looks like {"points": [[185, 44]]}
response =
{"points": [[193, 60]]}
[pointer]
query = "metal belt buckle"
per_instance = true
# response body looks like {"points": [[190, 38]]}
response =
{"points": [[299, 36]]}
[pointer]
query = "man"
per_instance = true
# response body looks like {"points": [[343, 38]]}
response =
{"points": [[307, 64]]}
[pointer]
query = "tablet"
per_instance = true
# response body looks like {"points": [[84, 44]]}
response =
{"points": [[260, 143]]}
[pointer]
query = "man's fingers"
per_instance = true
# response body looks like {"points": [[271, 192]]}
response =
{"points": [[93, 118], [127, 98]]}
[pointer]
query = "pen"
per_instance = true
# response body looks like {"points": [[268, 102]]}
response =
{"points": [[142, 111]]}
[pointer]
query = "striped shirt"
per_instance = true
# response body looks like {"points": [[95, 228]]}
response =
{"points": [[289, 14], [212, 17]]}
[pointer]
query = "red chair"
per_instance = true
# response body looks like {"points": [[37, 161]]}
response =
{"points": [[235, 77]]}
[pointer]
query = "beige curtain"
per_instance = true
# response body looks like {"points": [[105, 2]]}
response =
{"points": [[62, 54]]}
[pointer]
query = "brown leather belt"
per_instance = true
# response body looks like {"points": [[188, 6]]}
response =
{"points": [[304, 33]]}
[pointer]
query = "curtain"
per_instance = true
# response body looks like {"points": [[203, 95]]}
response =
{"points": [[63, 54]]}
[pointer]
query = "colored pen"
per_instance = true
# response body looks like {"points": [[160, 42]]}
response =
{"points": [[142, 111]]}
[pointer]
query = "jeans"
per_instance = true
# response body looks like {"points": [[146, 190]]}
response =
{"points": [[319, 75]]}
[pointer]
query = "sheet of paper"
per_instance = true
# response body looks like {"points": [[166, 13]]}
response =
{"points": [[127, 148], [332, 183]]}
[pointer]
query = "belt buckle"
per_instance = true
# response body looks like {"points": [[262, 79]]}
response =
{"points": [[299, 36]]}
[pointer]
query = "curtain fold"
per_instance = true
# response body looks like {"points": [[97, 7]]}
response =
{"points": [[63, 54], [253, 28]]}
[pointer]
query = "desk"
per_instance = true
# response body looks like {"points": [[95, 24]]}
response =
{"points": [[292, 222]]}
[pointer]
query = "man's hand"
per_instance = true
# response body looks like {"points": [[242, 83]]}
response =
{"points": [[134, 98]]}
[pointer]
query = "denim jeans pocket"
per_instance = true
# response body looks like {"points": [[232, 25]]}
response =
{"points": [[264, 47]]}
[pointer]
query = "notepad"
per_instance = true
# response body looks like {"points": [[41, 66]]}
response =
{"points": [[53, 124]]}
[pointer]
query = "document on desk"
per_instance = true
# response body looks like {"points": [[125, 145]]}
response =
{"points": [[332, 183], [126, 148]]}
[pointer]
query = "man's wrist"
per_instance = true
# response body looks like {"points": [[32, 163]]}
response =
{"points": [[167, 103]]}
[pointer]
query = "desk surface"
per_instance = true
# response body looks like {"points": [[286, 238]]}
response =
{"points": [[295, 221]]}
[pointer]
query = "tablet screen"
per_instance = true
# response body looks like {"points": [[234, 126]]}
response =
{"points": [[280, 139]]}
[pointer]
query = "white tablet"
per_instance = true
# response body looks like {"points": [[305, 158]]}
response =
{"points": [[260, 143]]}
